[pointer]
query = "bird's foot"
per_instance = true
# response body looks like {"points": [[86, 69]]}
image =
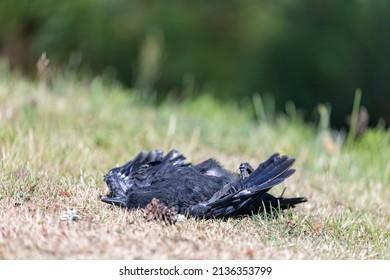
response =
{"points": [[245, 170]]}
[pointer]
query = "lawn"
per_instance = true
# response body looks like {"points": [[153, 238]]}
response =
{"points": [[59, 137]]}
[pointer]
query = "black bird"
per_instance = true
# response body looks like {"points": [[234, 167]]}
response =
{"points": [[205, 190]]}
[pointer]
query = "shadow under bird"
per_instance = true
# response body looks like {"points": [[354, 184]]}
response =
{"points": [[205, 190]]}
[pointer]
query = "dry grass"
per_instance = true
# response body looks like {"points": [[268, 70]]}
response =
{"points": [[56, 142]]}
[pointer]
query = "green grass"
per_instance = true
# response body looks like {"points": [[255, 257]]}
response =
{"points": [[57, 141]]}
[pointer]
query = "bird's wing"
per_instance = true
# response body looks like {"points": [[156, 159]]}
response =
{"points": [[137, 172]]}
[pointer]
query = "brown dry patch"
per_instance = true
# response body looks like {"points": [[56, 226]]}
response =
{"points": [[34, 230]]}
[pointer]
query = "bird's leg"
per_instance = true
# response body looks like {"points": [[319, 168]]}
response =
{"points": [[245, 170]]}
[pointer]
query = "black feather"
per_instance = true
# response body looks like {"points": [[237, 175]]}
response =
{"points": [[205, 190]]}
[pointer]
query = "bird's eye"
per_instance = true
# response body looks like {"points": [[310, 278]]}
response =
{"points": [[145, 166]]}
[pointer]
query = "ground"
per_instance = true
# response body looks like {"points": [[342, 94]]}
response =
{"points": [[59, 137]]}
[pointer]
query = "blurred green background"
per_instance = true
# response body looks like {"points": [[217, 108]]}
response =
{"points": [[304, 51]]}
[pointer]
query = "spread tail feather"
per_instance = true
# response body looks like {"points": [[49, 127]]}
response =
{"points": [[237, 197], [267, 202]]}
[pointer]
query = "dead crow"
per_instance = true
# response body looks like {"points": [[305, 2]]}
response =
{"points": [[205, 190]]}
